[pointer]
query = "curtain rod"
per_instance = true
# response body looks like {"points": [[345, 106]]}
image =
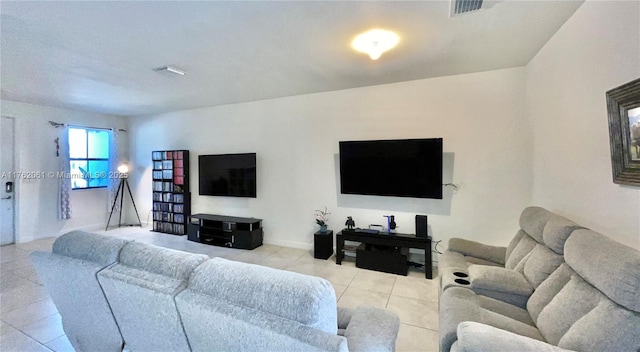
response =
{"points": [[58, 124]]}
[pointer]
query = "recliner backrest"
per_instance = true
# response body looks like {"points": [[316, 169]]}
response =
{"points": [[141, 288], [547, 257], [306, 299], [518, 249], [532, 223], [598, 307], [611, 267], [272, 309], [69, 274]]}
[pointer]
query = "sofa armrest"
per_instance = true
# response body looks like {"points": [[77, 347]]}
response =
{"points": [[476, 337], [478, 250], [493, 278], [372, 329], [451, 260], [344, 317]]}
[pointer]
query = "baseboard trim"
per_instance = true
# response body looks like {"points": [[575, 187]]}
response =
{"points": [[290, 244]]}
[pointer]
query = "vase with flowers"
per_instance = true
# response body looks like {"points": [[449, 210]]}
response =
{"points": [[322, 217]]}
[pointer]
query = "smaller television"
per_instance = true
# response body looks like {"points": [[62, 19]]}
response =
{"points": [[229, 175]]}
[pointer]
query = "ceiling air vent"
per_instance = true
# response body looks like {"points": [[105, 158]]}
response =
{"points": [[459, 7]]}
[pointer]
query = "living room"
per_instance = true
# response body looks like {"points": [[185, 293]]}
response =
{"points": [[530, 107], [528, 134]]}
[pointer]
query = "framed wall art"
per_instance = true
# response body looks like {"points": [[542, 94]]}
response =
{"points": [[623, 106]]}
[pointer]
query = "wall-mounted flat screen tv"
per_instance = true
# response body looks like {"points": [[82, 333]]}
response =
{"points": [[399, 168], [231, 175]]}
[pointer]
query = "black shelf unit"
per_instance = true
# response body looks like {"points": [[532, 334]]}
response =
{"points": [[227, 231], [171, 195]]}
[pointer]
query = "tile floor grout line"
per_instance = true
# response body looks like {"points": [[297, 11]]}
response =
{"points": [[36, 301], [419, 327], [20, 328], [31, 338], [391, 293], [35, 339]]}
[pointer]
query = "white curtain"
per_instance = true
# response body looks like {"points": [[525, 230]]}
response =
{"points": [[114, 182], [64, 182]]}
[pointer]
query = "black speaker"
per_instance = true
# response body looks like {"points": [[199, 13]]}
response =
{"points": [[421, 226]]}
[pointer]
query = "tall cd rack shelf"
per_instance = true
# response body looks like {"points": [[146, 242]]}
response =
{"points": [[171, 195]]}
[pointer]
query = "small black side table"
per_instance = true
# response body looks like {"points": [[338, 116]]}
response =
{"points": [[323, 244]]}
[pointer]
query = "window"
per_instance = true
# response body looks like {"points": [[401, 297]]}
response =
{"points": [[89, 157]]}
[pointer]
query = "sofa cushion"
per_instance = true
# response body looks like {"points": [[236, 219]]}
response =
{"points": [[557, 231], [611, 267], [548, 289], [213, 324], [100, 249], [506, 309], [513, 243], [541, 263], [461, 304], [575, 300], [141, 288], [475, 337], [306, 299], [162, 261], [533, 220], [519, 250], [607, 327], [520, 267], [144, 279]]}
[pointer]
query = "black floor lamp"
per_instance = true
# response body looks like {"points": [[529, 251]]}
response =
{"points": [[124, 182]]}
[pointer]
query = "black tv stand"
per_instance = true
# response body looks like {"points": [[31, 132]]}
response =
{"points": [[387, 261], [227, 231]]}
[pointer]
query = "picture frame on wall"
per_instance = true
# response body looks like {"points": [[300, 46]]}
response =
{"points": [[623, 107]]}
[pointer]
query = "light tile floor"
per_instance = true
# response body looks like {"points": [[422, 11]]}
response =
{"points": [[30, 322]]}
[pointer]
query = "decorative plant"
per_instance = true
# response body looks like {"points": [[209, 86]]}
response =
{"points": [[322, 217]]}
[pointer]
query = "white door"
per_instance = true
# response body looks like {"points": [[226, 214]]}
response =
{"points": [[7, 193]]}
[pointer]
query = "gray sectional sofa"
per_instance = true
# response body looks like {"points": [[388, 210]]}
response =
{"points": [[556, 287], [114, 294]]}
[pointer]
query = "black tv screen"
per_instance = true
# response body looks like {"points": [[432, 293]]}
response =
{"points": [[232, 175], [399, 168]]}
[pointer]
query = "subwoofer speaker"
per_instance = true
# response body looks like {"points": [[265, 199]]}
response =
{"points": [[421, 226]]}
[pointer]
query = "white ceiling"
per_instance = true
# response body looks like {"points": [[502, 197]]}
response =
{"points": [[98, 56]]}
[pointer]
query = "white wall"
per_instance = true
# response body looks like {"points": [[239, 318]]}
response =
{"points": [[481, 117], [596, 50], [36, 200]]}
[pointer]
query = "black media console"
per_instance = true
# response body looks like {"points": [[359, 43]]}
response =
{"points": [[228, 231], [372, 254]]}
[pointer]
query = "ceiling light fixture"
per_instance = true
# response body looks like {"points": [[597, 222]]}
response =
{"points": [[375, 42], [170, 69]]}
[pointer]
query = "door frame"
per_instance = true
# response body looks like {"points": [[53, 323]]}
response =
{"points": [[14, 196]]}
